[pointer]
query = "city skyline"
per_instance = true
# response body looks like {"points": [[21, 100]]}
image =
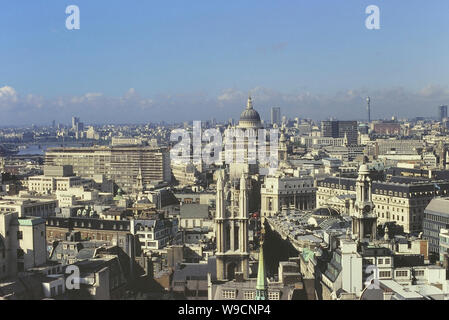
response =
{"points": [[224, 155]]}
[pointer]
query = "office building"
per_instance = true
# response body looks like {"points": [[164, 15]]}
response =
{"points": [[29, 206], [387, 128], [403, 203], [75, 121], [297, 192], [442, 112], [276, 115], [340, 129], [55, 178], [155, 234], [436, 219], [22, 243], [32, 250], [444, 245], [126, 166]]}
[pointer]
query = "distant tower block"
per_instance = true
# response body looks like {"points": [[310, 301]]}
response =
{"points": [[368, 108], [442, 112]]}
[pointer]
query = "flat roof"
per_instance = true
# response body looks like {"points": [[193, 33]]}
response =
{"points": [[30, 221], [401, 290]]}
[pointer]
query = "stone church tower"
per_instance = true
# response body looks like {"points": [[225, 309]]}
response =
{"points": [[231, 229], [364, 220]]}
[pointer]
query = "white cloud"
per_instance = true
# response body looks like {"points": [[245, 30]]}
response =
{"points": [[130, 93], [432, 90], [19, 108], [8, 95], [231, 95]]}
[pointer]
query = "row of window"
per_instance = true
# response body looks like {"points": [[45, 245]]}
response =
{"points": [[433, 217], [400, 273], [385, 192], [145, 235], [85, 235], [388, 208], [249, 295], [371, 261], [389, 199]]}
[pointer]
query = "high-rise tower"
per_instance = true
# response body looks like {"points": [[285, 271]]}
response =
{"points": [[368, 108], [276, 115], [442, 112]]}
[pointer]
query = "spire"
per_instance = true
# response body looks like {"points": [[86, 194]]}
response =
{"points": [[140, 180], [345, 139], [243, 185], [219, 182], [261, 286], [249, 105]]}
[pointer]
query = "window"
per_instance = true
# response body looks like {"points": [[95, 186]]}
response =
{"points": [[274, 295], [248, 295], [19, 235], [401, 273], [384, 274], [419, 273], [60, 289], [152, 244], [228, 294], [387, 261]]}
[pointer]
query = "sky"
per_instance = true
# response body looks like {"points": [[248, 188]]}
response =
{"points": [[146, 61]]}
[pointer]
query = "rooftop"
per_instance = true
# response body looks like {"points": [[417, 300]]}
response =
{"points": [[30, 221], [439, 205], [194, 210]]}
